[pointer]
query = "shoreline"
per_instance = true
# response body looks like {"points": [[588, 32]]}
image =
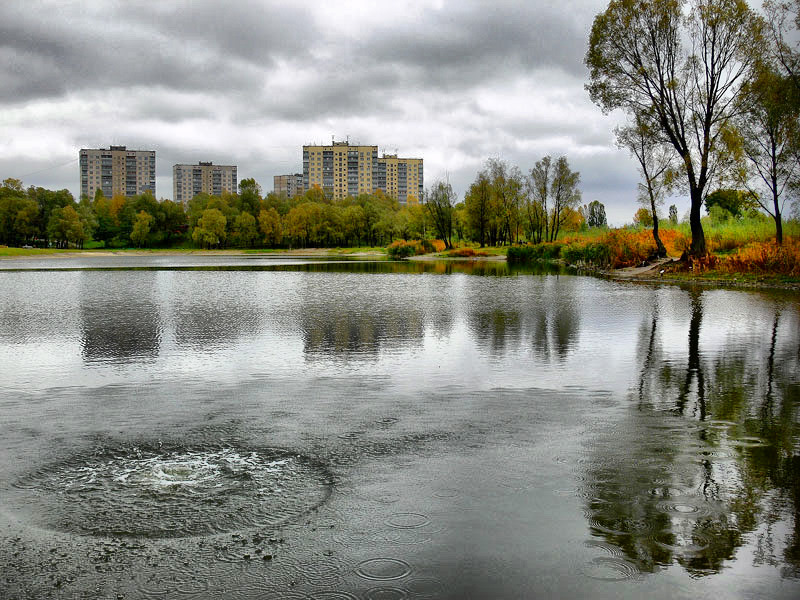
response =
{"points": [[646, 274]]}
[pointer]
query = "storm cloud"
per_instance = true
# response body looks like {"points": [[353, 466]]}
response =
{"points": [[249, 83]]}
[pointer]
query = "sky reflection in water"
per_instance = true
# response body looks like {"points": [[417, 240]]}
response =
{"points": [[603, 433]]}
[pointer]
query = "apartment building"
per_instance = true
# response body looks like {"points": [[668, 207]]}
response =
{"points": [[117, 171], [342, 170], [288, 185], [401, 178], [202, 178]]}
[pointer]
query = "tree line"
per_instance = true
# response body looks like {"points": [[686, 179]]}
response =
{"points": [[501, 207]]}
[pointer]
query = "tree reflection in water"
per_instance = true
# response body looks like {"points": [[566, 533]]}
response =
{"points": [[706, 461]]}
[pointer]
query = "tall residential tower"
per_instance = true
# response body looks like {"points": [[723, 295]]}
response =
{"points": [[202, 178], [342, 170], [117, 171], [288, 185]]}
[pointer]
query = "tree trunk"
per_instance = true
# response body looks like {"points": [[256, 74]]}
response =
{"points": [[777, 216], [661, 251], [698, 247]]}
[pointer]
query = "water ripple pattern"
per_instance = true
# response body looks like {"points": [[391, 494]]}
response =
{"points": [[162, 492], [383, 569]]}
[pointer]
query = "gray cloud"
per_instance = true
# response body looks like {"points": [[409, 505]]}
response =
{"points": [[472, 44], [188, 46]]}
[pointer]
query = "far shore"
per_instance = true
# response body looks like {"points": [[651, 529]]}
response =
{"points": [[657, 272]]}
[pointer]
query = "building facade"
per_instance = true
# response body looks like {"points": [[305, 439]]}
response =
{"points": [[117, 171], [342, 170], [288, 185], [202, 178]]}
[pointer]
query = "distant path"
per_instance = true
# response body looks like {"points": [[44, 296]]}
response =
{"points": [[648, 271]]}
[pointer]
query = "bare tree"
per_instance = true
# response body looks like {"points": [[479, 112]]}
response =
{"points": [[686, 68], [538, 194], [784, 21], [552, 188], [439, 201], [656, 161]]}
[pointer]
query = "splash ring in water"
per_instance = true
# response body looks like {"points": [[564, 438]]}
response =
{"points": [[172, 491]]}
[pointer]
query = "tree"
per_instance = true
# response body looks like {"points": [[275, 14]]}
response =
{"points": [[736, 202], [638, 63], [17, 213], [141, 228], [49, 201], [210, 230], [596, 214], [269, 222], [477, 206], [249, 196], [655, 166], [245, 231], [673, 214], [65, 227], [352, 223], [439, 202], [506, 187], [643, 217], [770, 140], [781, 25], [539, 193], [174, 218], [554, 189]]}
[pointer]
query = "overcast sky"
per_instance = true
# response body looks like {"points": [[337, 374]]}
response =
{"points": [[248, 83]]}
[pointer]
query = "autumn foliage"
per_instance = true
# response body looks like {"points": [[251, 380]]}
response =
{"points": [[764, 258], [404, 248]]}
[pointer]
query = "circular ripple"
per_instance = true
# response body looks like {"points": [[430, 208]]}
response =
{"points": [[409, 537], [170, 492], [407, 520], [323, 572], [682, 507], [610, 549], [385, 593], [383, 569], [446, 493], [425, 587], [611, 569]]}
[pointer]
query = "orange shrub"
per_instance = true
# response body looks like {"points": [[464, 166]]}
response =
{"points": [[674, 241], [466, 253], [438, 245], [629, 248], [765, 258]]}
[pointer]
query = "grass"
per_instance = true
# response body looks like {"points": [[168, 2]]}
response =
{"points": [[6, 251], [738, 249]]}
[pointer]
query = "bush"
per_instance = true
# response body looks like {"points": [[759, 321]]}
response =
{"points": [[765, 258], [543, 251], [466, 253], [402, 249]]}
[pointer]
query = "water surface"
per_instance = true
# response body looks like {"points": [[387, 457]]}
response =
{"points": [[260, 427]]}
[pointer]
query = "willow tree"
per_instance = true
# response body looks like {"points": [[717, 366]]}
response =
{"points": [[686, 67]]}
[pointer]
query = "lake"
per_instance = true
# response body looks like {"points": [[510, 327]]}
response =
{"points": [[197, 426]]}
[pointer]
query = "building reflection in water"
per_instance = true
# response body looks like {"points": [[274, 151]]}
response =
{"points": [[120, 321]]}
